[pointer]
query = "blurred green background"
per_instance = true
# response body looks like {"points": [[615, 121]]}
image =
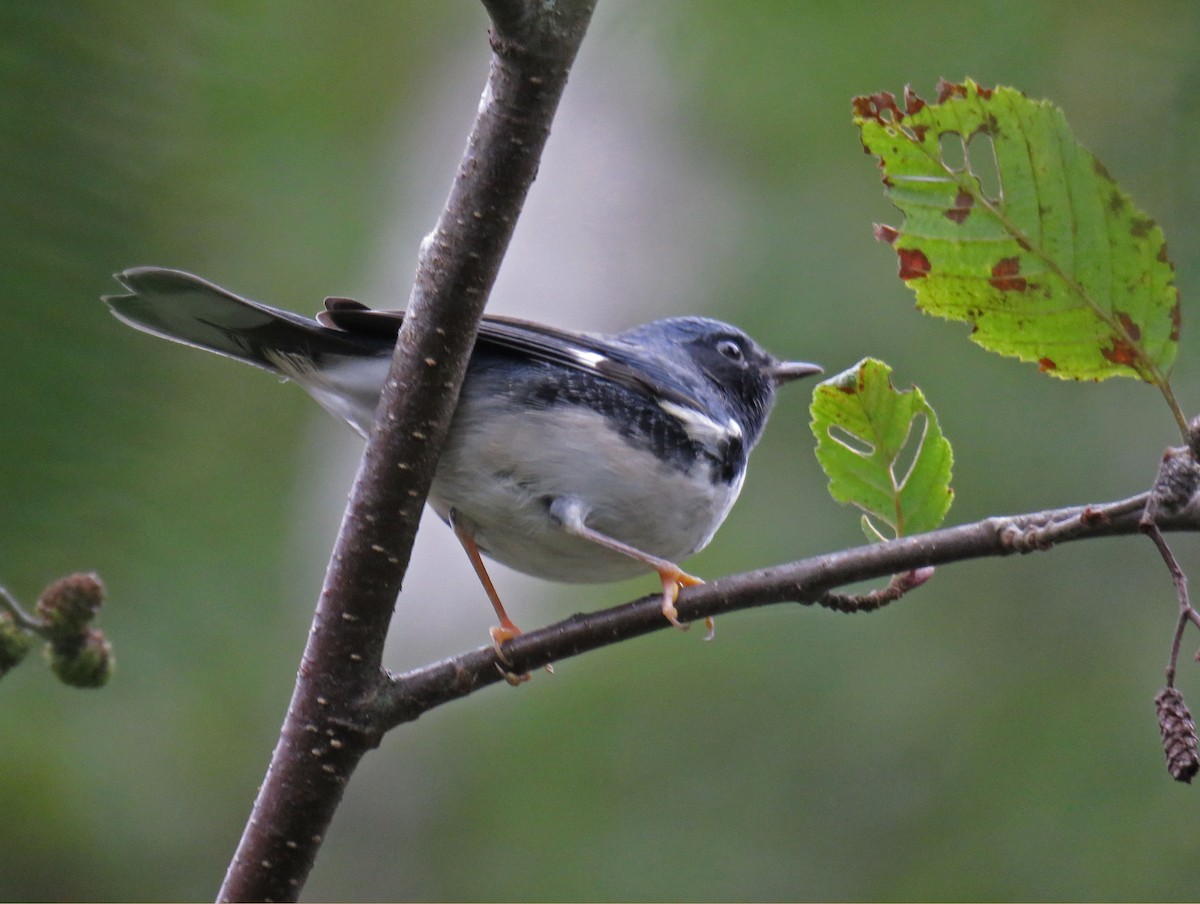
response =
{"points": [[991, 737]]}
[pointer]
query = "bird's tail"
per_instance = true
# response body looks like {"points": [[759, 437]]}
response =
{"points": [[342, 370], [184, 308]]}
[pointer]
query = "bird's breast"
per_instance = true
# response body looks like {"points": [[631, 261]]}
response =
{"points": [[503, 466]]}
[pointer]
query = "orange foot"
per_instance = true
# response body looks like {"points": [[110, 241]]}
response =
{"points": [[673, 580], [503, 632]]}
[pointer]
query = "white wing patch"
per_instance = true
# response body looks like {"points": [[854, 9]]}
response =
{"points": [[699, 426], [590, 360]]}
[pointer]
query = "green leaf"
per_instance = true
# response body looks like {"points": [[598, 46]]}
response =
{"points": [[882, 450], [1014, 227]]}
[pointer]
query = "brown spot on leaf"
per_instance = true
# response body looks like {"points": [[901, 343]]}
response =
{"points": [[1176, 318], [880, 107], [1046, 364], [1116, 202], [913, 263], [1101, 169], [912, 103], [919, 133], [963, 202], [1140, 227], [1132, 330], [985, 93], [886, 233], [1120, 352], [947, 90], [1006, 276], [1162, 254]]}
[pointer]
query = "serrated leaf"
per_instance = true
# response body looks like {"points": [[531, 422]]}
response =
{"points": [[882, 450], [1014, 227]]}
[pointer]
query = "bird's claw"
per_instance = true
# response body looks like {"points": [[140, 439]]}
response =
{"points": [[672, 583]]}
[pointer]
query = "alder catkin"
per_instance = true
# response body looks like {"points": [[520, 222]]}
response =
{"points": [[1178, 734]]}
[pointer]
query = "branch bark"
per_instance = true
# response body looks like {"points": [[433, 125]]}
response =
{"points": [[328, 729], [808, 582]]}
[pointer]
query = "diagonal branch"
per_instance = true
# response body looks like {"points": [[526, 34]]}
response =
{"points": [[326, 732]]}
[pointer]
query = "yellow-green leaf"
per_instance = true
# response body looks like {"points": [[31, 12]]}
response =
{"points": [[882, 450], [1014, 227]]}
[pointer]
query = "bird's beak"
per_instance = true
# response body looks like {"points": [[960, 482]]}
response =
{"points": [[786, 371]]}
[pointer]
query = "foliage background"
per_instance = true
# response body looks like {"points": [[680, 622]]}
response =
{"points": [[991, 737]]}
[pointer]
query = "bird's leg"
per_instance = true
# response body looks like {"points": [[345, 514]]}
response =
{"points": [[465, 531], [569, 512]]}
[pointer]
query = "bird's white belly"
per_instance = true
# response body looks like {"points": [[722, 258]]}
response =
{"points": [[504, 487]]}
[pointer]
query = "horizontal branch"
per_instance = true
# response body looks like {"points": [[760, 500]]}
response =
{"points": [[403, 698]]}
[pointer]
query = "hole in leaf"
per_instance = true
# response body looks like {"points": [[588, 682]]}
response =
{"points": [[953, 152], [910, 449], [982, 164], [876, 530], [855, 444]]}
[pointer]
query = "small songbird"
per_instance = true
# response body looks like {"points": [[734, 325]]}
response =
{"points": [[573, 457]]}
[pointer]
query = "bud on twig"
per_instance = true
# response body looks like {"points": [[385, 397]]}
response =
{"points": [[15, 642], [1178, 735], [1193, 436], [69, 604], [87, 661]]}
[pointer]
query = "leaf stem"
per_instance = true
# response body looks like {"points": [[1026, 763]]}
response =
{"points": [[1164, 386]]}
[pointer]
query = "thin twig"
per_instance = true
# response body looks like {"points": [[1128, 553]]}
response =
{"points": [[403, 698], [1186, 612], [22, 618], [1150, 529], [1175, 490], [897, 587]]}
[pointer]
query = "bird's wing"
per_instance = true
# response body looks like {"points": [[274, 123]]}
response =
{"points": [[580, 351]]}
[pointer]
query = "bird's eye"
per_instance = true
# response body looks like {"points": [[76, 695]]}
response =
{"points": [[730, 349]]}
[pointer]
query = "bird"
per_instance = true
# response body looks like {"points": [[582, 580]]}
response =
{"points": [[573, 457]]}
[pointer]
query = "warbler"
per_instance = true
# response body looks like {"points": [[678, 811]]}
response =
{"points": [[574, 457]]}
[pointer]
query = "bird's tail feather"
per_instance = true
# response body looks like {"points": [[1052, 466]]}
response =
{"points": [[186, 309]]}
